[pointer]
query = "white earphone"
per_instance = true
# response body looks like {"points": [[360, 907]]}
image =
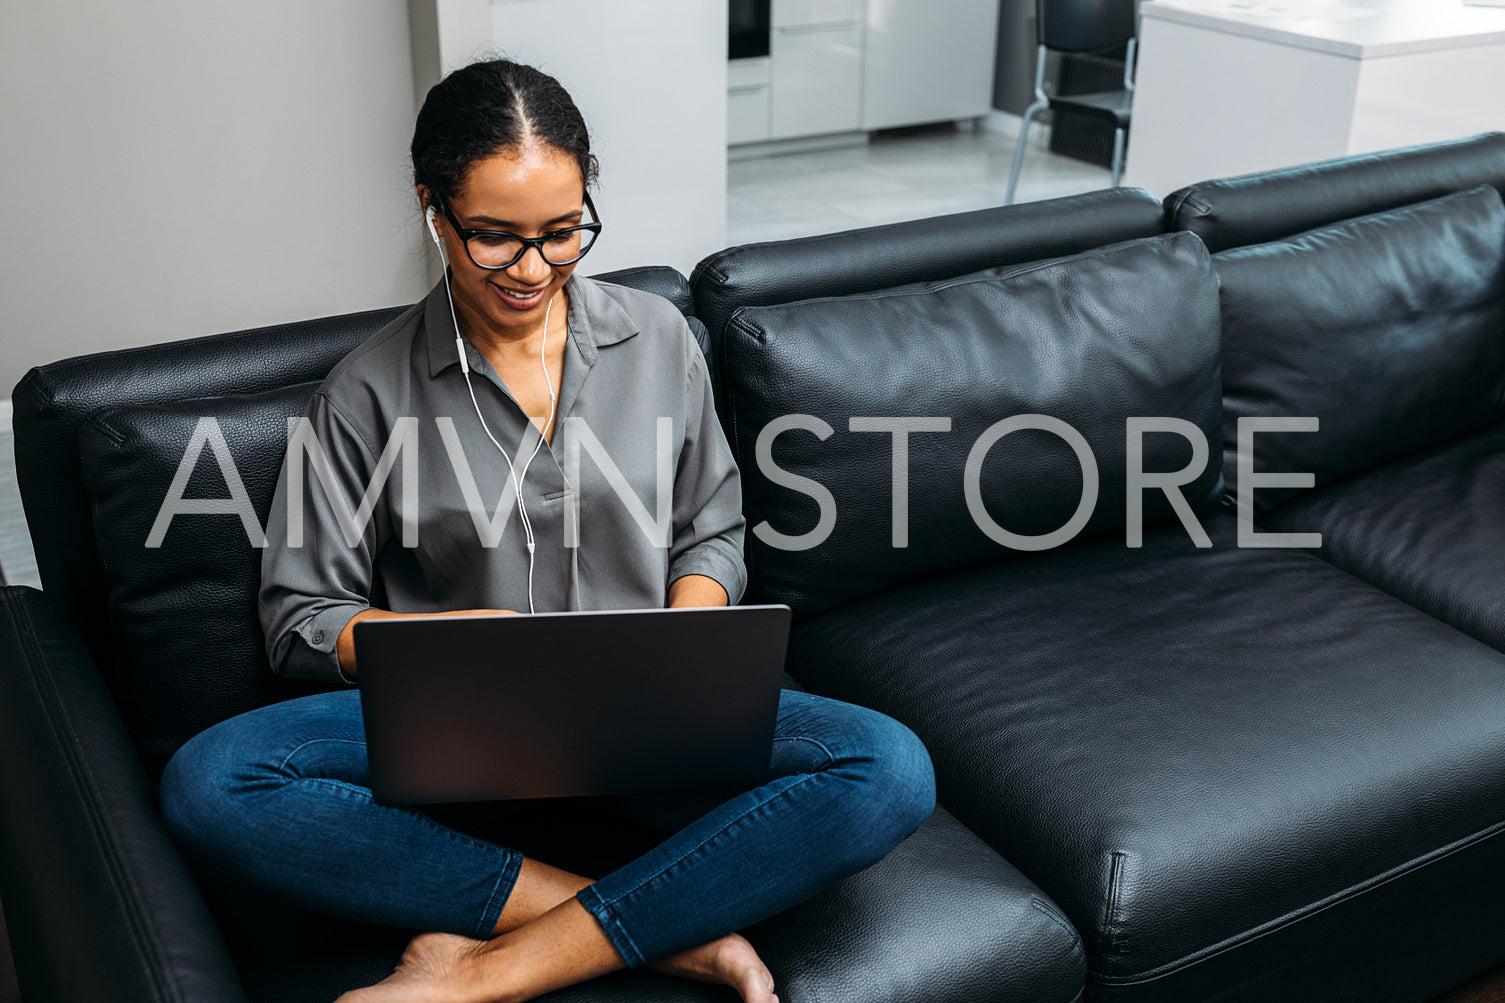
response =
{"points": [[517, 480]]}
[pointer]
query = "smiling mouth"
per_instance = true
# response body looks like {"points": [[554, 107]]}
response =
{"points": [[520, 298]]}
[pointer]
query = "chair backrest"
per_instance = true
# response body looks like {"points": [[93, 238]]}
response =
{"points": [[60, 412], [1083, 25]]}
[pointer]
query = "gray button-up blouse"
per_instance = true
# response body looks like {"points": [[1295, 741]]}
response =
{"points": [[406, 504]]}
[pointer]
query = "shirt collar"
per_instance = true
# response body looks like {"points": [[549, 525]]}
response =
{"points": [[596, 320]]}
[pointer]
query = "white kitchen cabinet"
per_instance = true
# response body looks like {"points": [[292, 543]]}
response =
{"points": [[747, 100], [817, 78], [841, 66], [794, 13], [928, 62]]}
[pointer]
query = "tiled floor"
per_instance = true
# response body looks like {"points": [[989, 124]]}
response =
{"points": [[906, 175]]}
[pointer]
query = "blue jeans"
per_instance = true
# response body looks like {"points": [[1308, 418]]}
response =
{"points": [[278, 798]]}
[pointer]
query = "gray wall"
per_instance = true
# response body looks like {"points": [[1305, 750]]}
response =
{"points": [[184, 167]]}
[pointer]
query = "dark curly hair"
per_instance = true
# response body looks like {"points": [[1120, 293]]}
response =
{"points": [[490, 106]]}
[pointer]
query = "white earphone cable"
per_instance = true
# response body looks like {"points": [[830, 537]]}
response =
{"points": [[517, 481]]}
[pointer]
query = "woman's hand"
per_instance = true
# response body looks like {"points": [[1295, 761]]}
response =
{"points": [[696, 590], [344, 645], [687, 592]]}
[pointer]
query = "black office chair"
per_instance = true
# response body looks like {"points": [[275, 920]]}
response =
{"points": [[1082, 26]]}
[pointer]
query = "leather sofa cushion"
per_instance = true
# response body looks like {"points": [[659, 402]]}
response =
{"points": [[1255, 208], [183, 614], [1091, 340], [1236, 771], [1389, 328], [1429, 528], [942, 919]]}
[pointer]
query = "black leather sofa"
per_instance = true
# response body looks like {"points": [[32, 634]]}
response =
{"points": [[1168, 772]]}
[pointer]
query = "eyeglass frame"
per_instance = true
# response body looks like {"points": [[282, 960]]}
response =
{"points": [[534, 242]]}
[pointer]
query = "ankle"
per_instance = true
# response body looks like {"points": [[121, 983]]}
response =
{"points": [[499, 975]]}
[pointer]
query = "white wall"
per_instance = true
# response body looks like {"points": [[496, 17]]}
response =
{"points": [[650, 78], [447, 34], [185, 167]]}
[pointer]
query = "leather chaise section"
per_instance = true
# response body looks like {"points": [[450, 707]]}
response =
{"points": [[1236, 771]]}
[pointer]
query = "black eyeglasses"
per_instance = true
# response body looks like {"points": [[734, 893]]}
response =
{"points": [[498, 249]]}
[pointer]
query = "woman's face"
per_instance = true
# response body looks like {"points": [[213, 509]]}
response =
{"points": [[528, 191]]}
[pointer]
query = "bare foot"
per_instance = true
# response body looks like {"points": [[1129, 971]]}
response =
{"points": [[444, 968], [730, 961], [436, 968]]}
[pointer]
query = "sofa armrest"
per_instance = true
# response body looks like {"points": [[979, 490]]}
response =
{"points": [[99, 904]]}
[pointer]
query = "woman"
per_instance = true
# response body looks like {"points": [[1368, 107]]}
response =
{"points": [[279, 797]]}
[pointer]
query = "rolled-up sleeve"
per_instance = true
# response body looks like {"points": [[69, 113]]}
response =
{"points": [[309, 592], [708, 520]]}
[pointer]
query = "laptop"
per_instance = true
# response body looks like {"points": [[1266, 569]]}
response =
{"points": [[482, 708]]}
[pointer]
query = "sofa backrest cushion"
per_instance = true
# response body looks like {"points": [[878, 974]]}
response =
{"points": [[1125, 331], [922, 250], [52, 401], [1255, 208], [183, 612], [1389, 329]]}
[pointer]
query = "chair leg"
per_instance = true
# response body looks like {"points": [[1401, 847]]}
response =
{"points": [[1118, 157], [1029, 114]]}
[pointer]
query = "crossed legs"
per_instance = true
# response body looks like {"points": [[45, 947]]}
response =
{"points": [[278, 797]]}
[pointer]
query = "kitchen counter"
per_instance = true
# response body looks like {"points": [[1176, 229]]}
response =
{"points": [[1360, 29], [1229, 87]]}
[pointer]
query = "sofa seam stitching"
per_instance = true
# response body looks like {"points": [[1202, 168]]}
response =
{"points": [[1296, 915], [1111, 907], [1057, 919]]}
